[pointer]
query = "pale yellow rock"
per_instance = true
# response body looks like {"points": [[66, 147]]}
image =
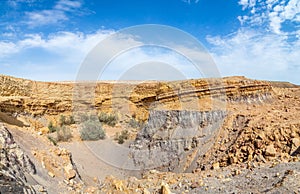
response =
{"points": [[70, 173], [118, 185], [51, 174], [296, 142], [165, 189], [44, 130], [216, 166], [146, 191], [270, 151]]}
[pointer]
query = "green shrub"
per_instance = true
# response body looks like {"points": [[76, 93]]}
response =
{"points": [[63, 133], [51, 127], [91, 130], [120, 140], [62, 120], [83, 118], [66, 120], [109, 119], [135, 124], [71, 120], [121, 137]]}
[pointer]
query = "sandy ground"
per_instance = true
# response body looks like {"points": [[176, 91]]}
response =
{"points": [[90, 165]]}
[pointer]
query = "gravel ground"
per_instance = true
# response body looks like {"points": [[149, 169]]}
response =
{"points": [[281, 178]]}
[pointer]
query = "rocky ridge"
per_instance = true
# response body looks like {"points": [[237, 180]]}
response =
{"points": [[51, 98]]}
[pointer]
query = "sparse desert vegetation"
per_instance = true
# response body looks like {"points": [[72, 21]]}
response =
{"points": [[121, 137], [135, 124], [91, 130], [110, 119]]}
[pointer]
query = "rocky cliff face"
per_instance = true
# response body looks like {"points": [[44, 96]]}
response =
{"points": [[256, 151], [14, 165], [173, 140], [38, 98]]}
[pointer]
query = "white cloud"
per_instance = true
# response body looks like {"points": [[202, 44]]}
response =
{"points": [[190, 1], [257, 55], [55, 57], [52, 16], [291, 11], [247, 3], [8, 34], [59, 56], [274, 13], [262, 48], [31, 40], [67, 5], [45, 17], [275, 22], [15, 3], [7, 48]]}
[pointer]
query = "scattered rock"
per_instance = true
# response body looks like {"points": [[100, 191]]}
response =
{"points": [[146, 191], [197, 184], [295, 145], [236, 172], [222, 148], [51, 174], [118, 185], [70, 173], [44, 130], [216, 166], [165, 189], [270, 151]]}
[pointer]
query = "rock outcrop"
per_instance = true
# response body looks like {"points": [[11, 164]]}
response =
{"points": [[14, 165], [173, 140], [38, 98]]}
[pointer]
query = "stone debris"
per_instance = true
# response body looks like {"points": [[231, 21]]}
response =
{"points": [[216, 166], [165, 189], [270, 151], [70, 173]]}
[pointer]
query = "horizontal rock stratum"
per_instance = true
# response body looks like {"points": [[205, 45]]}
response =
{"points": [[134, 98]]}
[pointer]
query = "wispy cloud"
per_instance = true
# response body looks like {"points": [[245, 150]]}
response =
{"points": [[262, 48], [257, 55], [58, 57], [53, 57], [45, 17], [272, 13], [58, 13], [67, 5], [7, 48], [16, 3], [190, 1]]}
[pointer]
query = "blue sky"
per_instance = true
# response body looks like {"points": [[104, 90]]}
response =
{"points": [[48, 40]]}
